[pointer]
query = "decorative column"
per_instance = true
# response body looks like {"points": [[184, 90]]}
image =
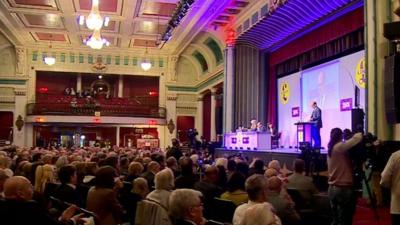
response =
{"points": [[120, 86], [162, 90], [199, 115], [229, 88], [79, 83], [19, 117], [213, 136], [117, 134], [171, 117]]}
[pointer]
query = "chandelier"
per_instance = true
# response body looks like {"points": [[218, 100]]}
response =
{"points": [[95, 41], [145, 64], [49, 59], [95, 22]]}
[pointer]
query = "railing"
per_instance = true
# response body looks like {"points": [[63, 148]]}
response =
{"points": [[91, 109]]}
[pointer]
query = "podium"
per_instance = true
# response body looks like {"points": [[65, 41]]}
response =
{"points": [[304, 132]]}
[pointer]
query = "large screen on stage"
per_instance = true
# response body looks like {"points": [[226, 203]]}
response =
{"points": [[331, 85]]}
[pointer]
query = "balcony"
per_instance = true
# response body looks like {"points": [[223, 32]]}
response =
{"points": [[64, 109]]}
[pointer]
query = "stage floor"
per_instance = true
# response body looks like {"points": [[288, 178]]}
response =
{"points": [[285, 156]]}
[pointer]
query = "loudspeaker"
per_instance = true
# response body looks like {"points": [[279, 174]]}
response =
{"points": [[392, 89], [357, 120], [391, 31]]}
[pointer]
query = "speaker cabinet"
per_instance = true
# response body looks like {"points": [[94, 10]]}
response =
{"points": [[392, 89], [357, 120]]}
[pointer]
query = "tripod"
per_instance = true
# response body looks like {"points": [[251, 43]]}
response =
{"points": [[360, 177]]}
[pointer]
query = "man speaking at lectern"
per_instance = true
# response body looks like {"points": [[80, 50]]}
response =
{"points": [[316, 118]]}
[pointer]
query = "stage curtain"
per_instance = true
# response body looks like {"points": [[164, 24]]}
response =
{"points": [[250, 86]]}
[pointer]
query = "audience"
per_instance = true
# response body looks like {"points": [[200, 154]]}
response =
{"points": [[186, 207], [259, 214], [67, 191], [152, 168], [164, 183], [302, 183], [257, 190], [236, 191]]}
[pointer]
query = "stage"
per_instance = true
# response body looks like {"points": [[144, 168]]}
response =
{"points": [[283, 155]]}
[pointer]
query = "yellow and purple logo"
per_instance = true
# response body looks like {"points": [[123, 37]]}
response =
{"points": [[284, 92], [361, 78]]}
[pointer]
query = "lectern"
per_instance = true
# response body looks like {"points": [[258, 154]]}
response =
{"points": [[304, 132]]}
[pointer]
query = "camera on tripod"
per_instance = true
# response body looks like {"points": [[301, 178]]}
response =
{"points": [[191, 134]]}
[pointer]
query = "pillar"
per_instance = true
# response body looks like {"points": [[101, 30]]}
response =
{"points": [[79, 83], [162, 90], [117, 134], [19, 135], [199, 115], [229, 88], [120, 86], [171, 117], [213, 135]]}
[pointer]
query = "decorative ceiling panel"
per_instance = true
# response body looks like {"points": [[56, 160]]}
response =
{"points": [[42, 36], [143, 43], [37, 3], [158, 9], [104, 5], [149, 27], [42, 20]]}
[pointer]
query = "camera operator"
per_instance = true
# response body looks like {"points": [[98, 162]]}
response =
{"points": [[192, 133], [340, 169]]}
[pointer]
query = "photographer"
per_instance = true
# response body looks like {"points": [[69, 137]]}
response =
{"points": [[340, 180], [192, 133]]}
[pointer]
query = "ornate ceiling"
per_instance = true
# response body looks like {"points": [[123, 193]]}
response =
{"points": [[133, 23]]}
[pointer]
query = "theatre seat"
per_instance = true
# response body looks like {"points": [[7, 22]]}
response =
{"points": [[221, 210]]}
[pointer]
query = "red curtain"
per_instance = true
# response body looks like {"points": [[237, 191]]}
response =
{"points": [[184, 123]]}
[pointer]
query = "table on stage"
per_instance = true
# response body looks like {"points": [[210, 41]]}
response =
{"points": [[249, 140]]}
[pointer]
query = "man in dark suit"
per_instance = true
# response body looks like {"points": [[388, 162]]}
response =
{"points": [[316, 118], [68, 191], [18, 208]]}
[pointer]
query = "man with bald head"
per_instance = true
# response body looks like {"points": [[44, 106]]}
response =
{"points": [[18, 208]]}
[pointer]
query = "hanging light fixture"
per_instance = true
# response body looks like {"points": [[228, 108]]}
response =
{"points": [[49, 59], [145, 64], [95, 41], [94, 21]]}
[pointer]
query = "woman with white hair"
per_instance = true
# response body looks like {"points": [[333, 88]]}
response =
{"points": [[259, 214], [164, 183], [186, 207]]}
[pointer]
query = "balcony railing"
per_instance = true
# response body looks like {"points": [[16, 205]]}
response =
{"points": [[91, 109]]}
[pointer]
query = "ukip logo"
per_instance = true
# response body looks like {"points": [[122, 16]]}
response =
{"points": [[360, 74], [284, 91]]}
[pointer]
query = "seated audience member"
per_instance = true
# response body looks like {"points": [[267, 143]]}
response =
{"points": [[102, 198], [259, 214], [283, 205], [134, 171], [208, 186], [186, 207], [257, 167], [231, 167], [243, 168], [236, 191], [5, 163], [123, 166], [152, 168], [164, 183], [67, 191], [187, 178], [274, 164], [44, 175], [172, 164], [257, 190], [18, 207], [270, 173], [3, 178], [139, 192], [222, 177], [301, 182]]}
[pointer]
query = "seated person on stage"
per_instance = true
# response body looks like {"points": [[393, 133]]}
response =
{"points": [[260, 127], [271, 129], [253, 126], [301, 182]]}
